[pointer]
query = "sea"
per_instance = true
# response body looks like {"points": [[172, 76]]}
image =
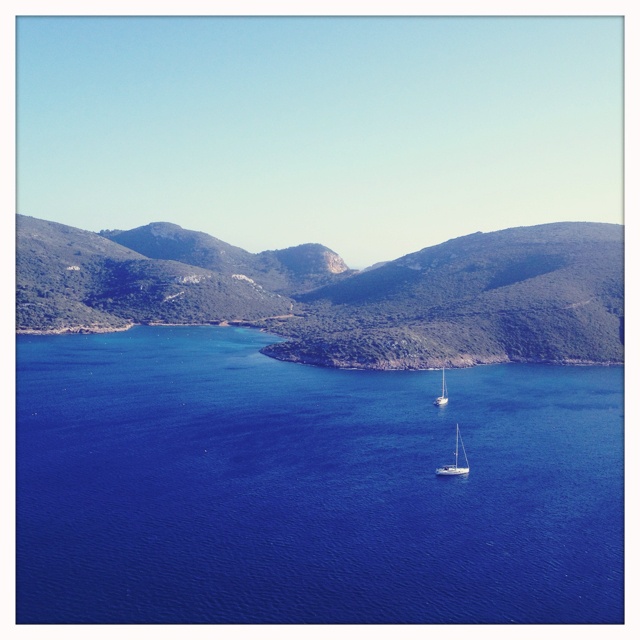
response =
{"points": [[175, 475]]}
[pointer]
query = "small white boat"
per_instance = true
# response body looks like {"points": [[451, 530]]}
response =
{"points": [[444, 398], [454, 469]]}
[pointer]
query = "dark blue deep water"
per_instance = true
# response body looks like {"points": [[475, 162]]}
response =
{"points": [[176, 475]]}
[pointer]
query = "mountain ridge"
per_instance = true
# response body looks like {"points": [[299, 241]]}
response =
{"points": [[282, 271], [545, 293], [548, 293]]}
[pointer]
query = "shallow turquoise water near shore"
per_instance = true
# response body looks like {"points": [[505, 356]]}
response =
{"points": [[176, 475]]}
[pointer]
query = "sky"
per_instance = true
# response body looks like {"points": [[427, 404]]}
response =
{"points": [[376, 136]]}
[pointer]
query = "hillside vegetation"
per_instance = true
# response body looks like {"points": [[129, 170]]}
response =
{"points": [[548, 293], [74, 280], [284, 271]]}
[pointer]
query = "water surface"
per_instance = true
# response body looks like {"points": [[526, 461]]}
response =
{"points": [[176, 475]]}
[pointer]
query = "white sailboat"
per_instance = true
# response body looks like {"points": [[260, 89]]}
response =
{"points": [[444, 398], [454, 469]]}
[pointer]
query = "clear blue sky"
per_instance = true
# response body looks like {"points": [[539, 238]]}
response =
{"points": [[376, 136]]}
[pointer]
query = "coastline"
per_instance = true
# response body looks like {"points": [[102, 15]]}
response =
{"points": [[81, 330], [85, 330], [464, 362], [396, 365]]}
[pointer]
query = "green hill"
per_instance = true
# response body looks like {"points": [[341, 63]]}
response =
{"points": [[74, 280], [548, 293], [284, 271]]}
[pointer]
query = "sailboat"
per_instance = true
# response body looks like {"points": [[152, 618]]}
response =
{"points": [[454, 469], [444, 398]]}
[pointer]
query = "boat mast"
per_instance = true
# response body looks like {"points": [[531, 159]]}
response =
{"points": [[466, 460], [457, 432]]}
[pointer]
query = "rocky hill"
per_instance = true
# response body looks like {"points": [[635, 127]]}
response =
{"points": [[74, 280], [549, 293], [284, 271]]}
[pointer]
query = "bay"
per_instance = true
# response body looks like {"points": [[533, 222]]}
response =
{"points": [[176, 475]]}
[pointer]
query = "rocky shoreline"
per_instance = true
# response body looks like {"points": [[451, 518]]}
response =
{"points": [[84, 330], [464, 362], [285, 352]]}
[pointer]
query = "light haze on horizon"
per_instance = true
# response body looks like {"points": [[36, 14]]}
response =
{"points": [[375, 136]]}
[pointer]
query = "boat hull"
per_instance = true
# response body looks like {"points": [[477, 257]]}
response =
{"points": [[452, 471], [440, 402]]}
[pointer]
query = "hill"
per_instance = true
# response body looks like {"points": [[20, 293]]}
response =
{"points": [[74, 280], [549, 293], [285, 271]]}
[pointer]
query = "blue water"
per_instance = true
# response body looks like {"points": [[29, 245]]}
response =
{"points": [[176, 475]]}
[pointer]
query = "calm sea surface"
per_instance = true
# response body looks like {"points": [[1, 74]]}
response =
{"points": [[175, 475]]}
